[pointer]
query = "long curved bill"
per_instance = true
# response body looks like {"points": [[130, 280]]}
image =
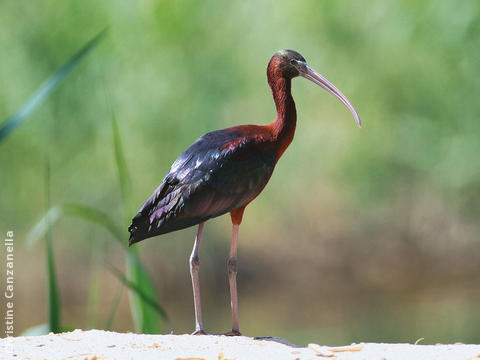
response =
{"points": [[308, 73]]}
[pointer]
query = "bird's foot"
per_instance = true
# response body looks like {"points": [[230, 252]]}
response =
{"points": [[199, 332], [232, 333]]}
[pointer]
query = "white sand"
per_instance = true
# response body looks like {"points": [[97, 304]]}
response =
{"points": [[97, 344]]}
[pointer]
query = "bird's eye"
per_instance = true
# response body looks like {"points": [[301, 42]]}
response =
{"points": [[293, 61]]}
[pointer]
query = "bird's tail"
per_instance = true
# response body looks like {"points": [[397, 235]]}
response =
{"points": [[137, 229], [140, 225]]}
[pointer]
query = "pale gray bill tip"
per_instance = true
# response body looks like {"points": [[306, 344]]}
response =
{"points": [[308, 73]]}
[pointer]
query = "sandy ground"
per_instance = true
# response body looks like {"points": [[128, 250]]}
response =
{"points": [[97, 344]]}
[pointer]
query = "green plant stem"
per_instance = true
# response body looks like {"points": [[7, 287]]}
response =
{"points": [[113, 310], [53, 298]]}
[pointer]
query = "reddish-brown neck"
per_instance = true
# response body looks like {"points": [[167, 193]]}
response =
{"points": [[283, 128]]}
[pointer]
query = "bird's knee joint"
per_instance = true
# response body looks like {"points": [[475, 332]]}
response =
{"points": [[194, 263], [232, 266]]}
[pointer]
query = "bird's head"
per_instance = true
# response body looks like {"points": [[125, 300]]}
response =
{"points": [[289, 64]]}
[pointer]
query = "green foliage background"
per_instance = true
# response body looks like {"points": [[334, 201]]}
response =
{"points": [[368, 234]]}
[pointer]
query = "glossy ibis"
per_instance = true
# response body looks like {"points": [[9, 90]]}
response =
{"points": [[224, 170]]}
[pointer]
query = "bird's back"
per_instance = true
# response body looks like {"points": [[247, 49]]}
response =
{"points": [[222, 171]]}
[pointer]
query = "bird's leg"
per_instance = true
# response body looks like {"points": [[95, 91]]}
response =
{"points": [[232, 278], [194, 270]]}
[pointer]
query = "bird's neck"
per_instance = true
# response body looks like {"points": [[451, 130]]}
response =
{"points": [[283, 127]]}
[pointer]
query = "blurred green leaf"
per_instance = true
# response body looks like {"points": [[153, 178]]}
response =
{"points": [[93, 301], [123, 175], [41, 227], [53, 297], [144, 317], [44, 329], [57, 77], [114, 307], [75, 210], [147, 298], [95, 216]]}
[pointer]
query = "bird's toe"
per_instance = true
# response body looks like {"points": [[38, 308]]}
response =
{"points": [[232, 333]]}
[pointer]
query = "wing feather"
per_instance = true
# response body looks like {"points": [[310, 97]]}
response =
{"points": [[223, 170]]}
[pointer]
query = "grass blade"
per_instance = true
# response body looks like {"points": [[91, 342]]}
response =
{"points": [[93, 300], [42, 329], [43, 225], [75, 210], [57, 77], [139, 291], [113, 309], [144, 317], [123, 175], [53, 298], [97, 217]]}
